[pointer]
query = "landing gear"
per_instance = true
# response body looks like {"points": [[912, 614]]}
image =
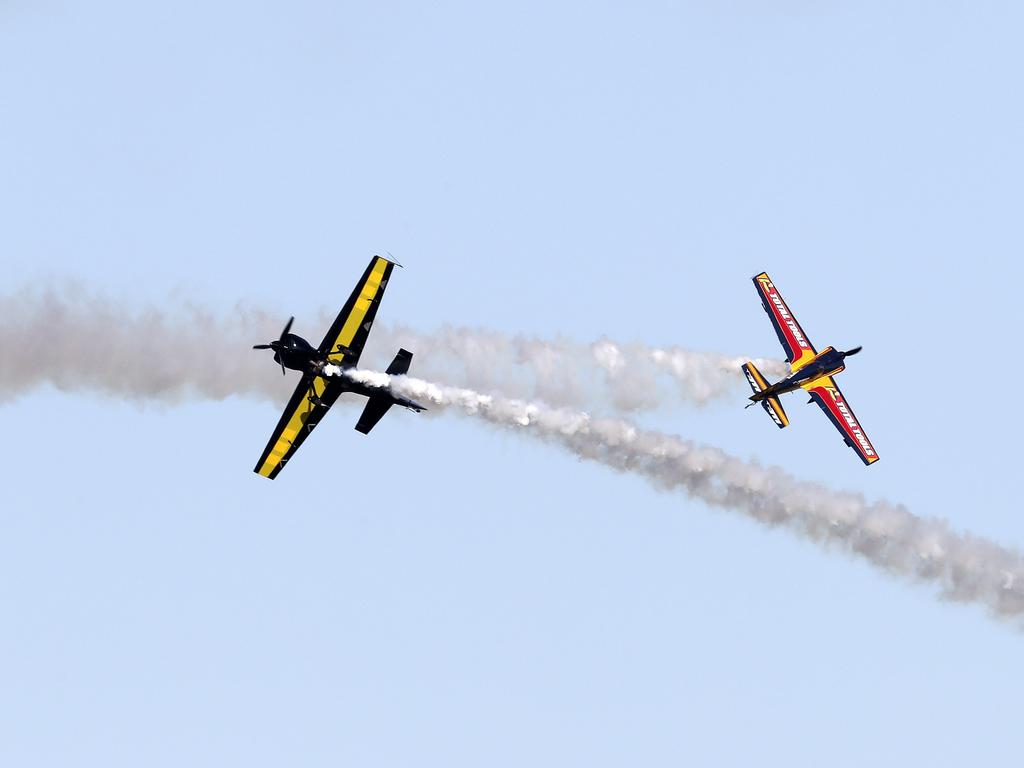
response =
{"points": [[314, 401]]}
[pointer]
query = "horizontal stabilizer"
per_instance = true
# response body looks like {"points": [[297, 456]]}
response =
{"points": [[758, 383], [774, 409], [374, 411], [400, 365]]}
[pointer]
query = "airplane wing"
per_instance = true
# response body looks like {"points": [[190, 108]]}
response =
{"points": [[826, 393], [344, 342], [799, 350], [298, 420], [342, 345]]}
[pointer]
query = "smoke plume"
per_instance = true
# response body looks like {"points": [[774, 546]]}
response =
{"points": [[614, 376], [964, 568], [77, 341]]}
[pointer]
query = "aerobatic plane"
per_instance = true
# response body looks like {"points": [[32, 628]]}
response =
{"points": [[812, 371], [323, 371]]}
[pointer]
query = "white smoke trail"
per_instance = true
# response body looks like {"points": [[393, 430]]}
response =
{"points": [[965, 568], [622, 377], [76, 341]]}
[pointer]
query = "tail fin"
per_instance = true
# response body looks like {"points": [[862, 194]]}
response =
{"points": [[400, 365], [771, 405], [378, 405], [774, 409], [758, 383]]}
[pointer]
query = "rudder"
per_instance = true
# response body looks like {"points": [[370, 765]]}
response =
{"points": [[400, 365]]}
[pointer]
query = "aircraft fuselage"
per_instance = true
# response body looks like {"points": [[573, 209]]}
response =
{"points": [[293, 351], [828, 362]]}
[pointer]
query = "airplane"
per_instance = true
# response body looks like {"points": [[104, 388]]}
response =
{"points": [[323, 368], [812, 371]]}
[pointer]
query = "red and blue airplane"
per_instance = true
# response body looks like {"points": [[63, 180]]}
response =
{"points": [[812, 371]]}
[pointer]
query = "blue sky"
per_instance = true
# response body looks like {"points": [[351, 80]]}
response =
{"points": [[441, 593]]}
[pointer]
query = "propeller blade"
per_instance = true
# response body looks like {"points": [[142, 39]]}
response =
{"points": [[262, 346], [288, 327], [853, 351], [282, 370]]}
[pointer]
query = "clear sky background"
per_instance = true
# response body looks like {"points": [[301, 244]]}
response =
{"points": [[442, 593]]}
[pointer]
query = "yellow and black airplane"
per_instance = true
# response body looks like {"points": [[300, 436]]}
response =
{"points": [[811, 371], [323, 368]]}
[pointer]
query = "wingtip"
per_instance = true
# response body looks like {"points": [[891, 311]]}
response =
{"points": [[390, 259]]}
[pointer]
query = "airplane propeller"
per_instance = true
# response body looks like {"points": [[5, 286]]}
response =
{"points": [[853, 351], [276, 345]]}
